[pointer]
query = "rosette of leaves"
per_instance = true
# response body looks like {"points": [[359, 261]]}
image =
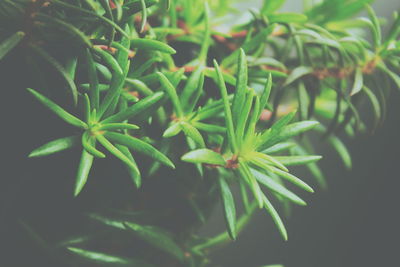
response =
{"points": [[249, 153], [105, 121]]}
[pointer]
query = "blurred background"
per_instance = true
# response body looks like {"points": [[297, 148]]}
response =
{"points": [[354, 223]]}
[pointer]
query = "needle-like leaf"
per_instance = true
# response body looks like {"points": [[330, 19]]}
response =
{"points": [[158, 238], [205, 156], [55, 146], [8, 44], [85, 165], [59, 111], [229, 207], [228, 114], [139, 146]]}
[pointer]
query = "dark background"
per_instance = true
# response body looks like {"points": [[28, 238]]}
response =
{"points": [[354, 223]]}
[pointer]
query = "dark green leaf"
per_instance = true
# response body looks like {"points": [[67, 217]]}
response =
{"points": [[139, 146], [8, 44], [60, 69], [103, 258], [158, 238], [136, 109], [229, 207]]}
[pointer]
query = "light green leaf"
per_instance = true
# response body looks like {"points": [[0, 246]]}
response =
{"points": [[277, 188], [297, 160], [275, 217], [174, 129], [148, 44], [291, 178], [287, 17], [205, 156], [193, 133], [241, 85], [227, 109]]}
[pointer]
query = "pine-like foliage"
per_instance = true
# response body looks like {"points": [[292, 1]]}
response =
{"points": [[192, 111]]}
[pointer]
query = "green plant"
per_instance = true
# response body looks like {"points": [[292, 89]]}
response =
{"points": [[155, 85]]}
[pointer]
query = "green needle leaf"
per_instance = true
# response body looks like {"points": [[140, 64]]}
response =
{"points": [[144, 15], [291, 178], [269, 136], [227, 109], [290, 131], [358, 82], [103, 258], [241, 86], [139, 146], [205, 156], [265, 95], [174, 129], [61, 70], [59, 111], [93, 80], [55, 146], [209, 128], [229, 207], [193, 133], [375, 104], [90, 13], [133, 172], [297, 160], [118, 126], [67, 27], [297, 73], [148, 44], [87, 145], [171, 91], [158, 238], [7, 45], [276, 218], [136, 109], [279, 147], [277, 188], [115, 151], [85, 165]]}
